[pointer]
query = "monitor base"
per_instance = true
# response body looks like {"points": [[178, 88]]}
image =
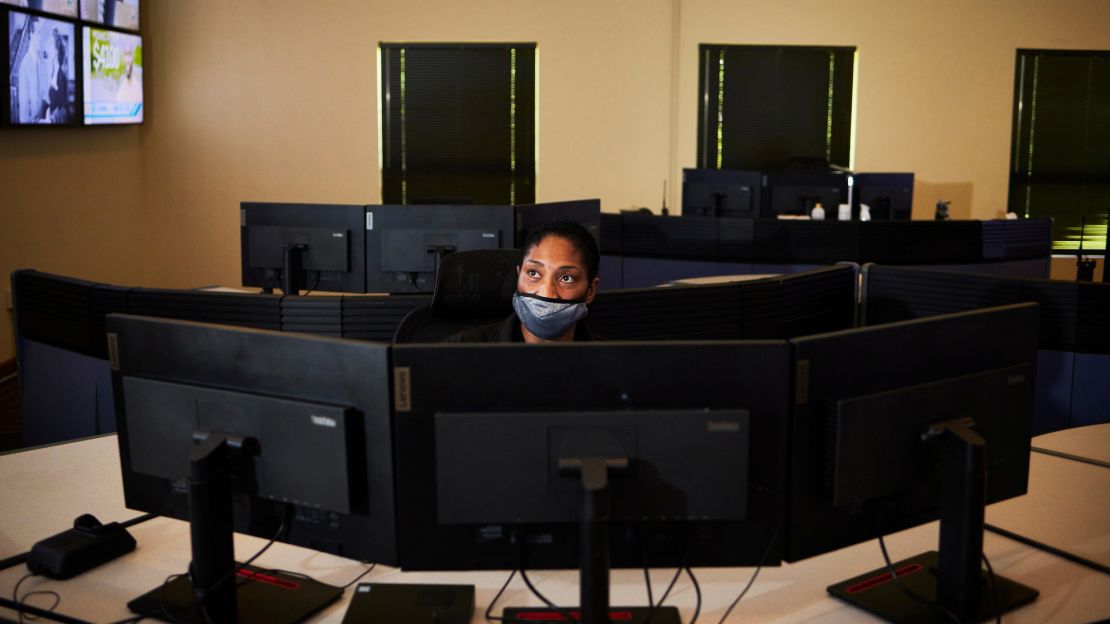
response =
{"points": [[624, 615], [263, 596], [875, 593]]}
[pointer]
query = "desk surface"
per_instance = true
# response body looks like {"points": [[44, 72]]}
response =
{"points": [[44, 489], [1092, 442]]}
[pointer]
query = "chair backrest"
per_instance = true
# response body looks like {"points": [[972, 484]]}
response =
{"points": [[473, 288]]}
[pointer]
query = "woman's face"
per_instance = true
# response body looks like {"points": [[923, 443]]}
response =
{"points": [[554, 268]]}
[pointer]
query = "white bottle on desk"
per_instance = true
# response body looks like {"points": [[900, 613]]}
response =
{"points": [[818, 212]]}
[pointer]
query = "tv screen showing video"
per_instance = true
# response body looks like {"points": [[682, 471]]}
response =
{"points": [[118, 13], [43, 71], [113, 77], [67, 8]]}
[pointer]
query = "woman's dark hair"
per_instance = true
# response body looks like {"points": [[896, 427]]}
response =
{"points": [[571, 231]]}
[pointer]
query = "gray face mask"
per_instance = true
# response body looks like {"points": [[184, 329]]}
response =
{"points": [[546, 318]]}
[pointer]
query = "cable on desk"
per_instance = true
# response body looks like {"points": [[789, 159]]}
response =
{"points": [[697, 594], [536, 592], [489, 609], [20, 601], [13, 561], [1063, 554], [523, 553], [653, 607], [42, 613], [359, 577], [138, 520], [1077, 458], [751, 581]]}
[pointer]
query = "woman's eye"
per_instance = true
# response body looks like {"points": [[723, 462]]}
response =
{"points": [[567, 279], [533, 273]]}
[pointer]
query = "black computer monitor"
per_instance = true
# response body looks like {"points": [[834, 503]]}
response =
{"points": [[887, 195], [721, 193], [797, 192], [896, 425], [284, 436], [404, 244], [584, 211], [298, 247], [693, 434]]}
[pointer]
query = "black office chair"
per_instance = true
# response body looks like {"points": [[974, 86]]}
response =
{"points": [[473, 288]]}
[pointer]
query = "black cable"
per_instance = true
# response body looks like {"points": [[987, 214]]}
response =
{"points": [[1063, 554], [674, 579], [994, 590], [13, 561], [359, 577], [647, 581], [15, 594], [42, 613], [1069, 456], [489, 608], [905, 590], [20, 601], [536, 592], [751, 581], [654, 607], [138, 520], [523, 569], [697, 594]]}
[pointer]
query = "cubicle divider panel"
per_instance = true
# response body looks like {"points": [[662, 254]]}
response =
{"points": [[818, 301], [893, 294], [790, 241], [377, 317], [312, 315], [920, 242], [65, 394], [1017, 238], [242, 309], [800, 304], [55, 310], [710, 312]]}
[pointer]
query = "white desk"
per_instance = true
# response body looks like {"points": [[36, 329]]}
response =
{"points": [[44, 490]]}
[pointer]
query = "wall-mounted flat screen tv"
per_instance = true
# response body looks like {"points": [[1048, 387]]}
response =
{"points": [[116, 13], [42, 71], [113, 63], [67, 8]]}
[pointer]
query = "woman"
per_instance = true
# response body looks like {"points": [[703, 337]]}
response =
{"points": [[556, 281], [57, 99]]}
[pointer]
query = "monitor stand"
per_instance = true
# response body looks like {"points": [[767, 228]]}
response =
{"points": [[216, 589], [952, 579], [593, 555]]}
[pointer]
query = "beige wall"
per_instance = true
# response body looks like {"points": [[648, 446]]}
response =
{"points": [[276, 100], [70, 203], [935, 77]]}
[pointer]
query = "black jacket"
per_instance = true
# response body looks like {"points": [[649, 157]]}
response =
{"points": [[508, 330]]}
